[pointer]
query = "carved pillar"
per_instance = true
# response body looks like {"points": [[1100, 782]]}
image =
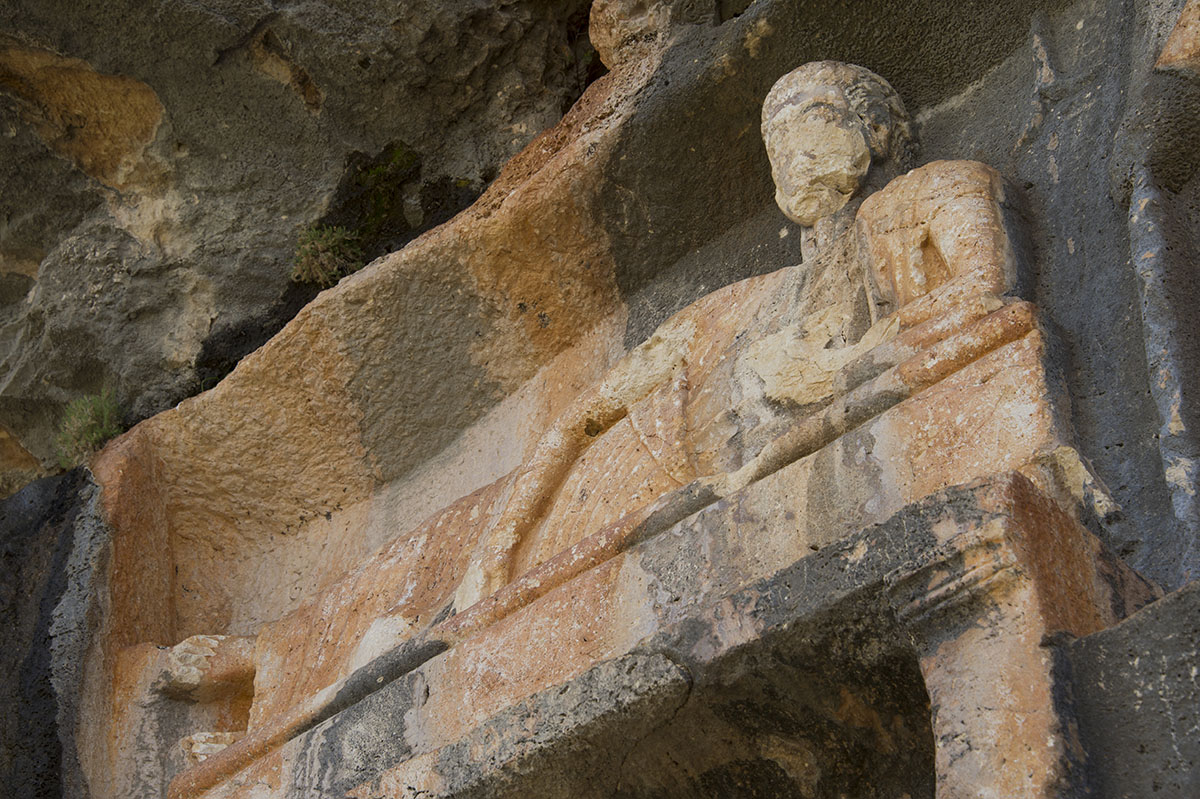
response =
{"points": [[985, 614]]}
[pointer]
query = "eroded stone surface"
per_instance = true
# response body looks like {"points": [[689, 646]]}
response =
{"points": [[947, 382], [725, 635], [823, 125], [1001, 380], [104, 123], [152, 205], [943, 221], [203, 668], [908, 435], [624, 31], [1137, 692], [17, 464]]}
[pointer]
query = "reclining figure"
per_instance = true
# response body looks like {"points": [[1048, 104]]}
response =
{"points": [[902, 284]]}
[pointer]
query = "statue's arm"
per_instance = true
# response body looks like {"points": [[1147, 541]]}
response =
{"points": [[634, 377]]}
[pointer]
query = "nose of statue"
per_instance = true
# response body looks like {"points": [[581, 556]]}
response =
{"points": [[818, 161]]}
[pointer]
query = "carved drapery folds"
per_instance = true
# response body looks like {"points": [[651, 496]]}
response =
{"points": [[788, 425]]}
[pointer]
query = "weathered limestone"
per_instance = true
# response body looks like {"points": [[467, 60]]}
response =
{"points": [[790, 411], [197, 547], [1136, 695], [621, 29], [337, 360], [151, 205], [823, 124], [486, 703], [939, 224], [16, 462], [201, 745], [983, 620], [207, 667], [836, 677]]}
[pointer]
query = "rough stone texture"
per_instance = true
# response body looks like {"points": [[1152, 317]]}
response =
{"points": [[1074, 74], [565, 493], [1154, 177], [939, 223], [1138, 699], [950, 398], [822, 125], [331, 442], [53, 542], [786, 679], [962, 86], [17, 464], [624, 30], [256, 507], [36, 540], [160, 160]]}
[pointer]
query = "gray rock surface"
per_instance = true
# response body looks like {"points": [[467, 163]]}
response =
{"points": [[158, 161], [1138, 700], [37, 537]]}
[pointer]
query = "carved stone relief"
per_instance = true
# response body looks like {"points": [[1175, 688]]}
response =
{"points": [[802, 408]]}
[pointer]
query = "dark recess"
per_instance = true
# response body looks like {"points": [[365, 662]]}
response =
{"points": [[36, 534]]}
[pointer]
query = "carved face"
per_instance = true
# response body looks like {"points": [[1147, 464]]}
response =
{"points": [[819, 155], [824, 125]]}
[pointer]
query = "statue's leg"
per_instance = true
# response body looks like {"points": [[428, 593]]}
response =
{"points": [[986, 616]]}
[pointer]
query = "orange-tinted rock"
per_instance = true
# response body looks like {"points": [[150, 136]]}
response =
{"points": [[982, 620], [962, 570], [942, 221], [240, 505], [1182, 50], [104, 123], [979, 404], [612, 497]]}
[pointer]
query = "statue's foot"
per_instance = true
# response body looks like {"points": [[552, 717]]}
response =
{"points": [[206, 667], [199, 746]]}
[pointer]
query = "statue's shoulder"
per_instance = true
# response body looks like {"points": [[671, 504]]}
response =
{"points": [[943, 180]]}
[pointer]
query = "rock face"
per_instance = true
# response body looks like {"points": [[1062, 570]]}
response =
{"points": [[159, 162], [628, 481], [36, 544], [54, 545], [1147, 745]]}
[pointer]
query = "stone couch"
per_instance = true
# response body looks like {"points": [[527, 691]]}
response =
{"points": [[816, 536]]}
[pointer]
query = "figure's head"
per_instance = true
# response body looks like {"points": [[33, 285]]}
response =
{"points": [[826, 124]]}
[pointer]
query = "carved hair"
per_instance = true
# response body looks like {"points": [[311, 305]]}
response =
{"points": [[872, 99]]}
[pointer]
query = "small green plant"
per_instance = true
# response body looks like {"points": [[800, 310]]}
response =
{"points": [[86, 425], [325, 254]]}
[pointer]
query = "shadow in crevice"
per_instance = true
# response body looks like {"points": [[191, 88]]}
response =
{"points": [[841, 713]]}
